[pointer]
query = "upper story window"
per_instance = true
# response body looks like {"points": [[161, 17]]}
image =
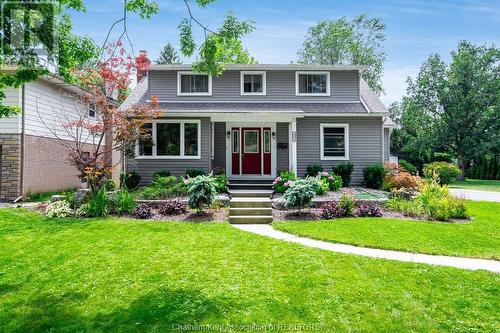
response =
{"points": [[334, 141], [91, 112], [312, 83], [253, 83], [190, 83]]}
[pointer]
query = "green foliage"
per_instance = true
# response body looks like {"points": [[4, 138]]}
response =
{"points": [[220, 183], [358, 42], [130, 179], [194, 172], [322, 187], [334, 181], [59, 209], [442, 157], [407, 207], [123, 202], [486, 167], [313, 170], [346, 204], [144, 8], [98, 205], [408, 167], [344, 170], [374, 176], [300, 193], [161, 173], [202, 192], [283, 181], [168, 55], [446, 172], [163, 188]]}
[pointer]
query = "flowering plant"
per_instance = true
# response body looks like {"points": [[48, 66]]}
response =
{"points": [[284, 181], [334, 181]]}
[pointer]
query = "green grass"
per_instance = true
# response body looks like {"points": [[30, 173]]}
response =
{"points": [[479, 238], [477, 184], [117, 275], [44, 196]]}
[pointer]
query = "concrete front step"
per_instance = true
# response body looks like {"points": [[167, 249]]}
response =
{"points": [[250, 186], [254, 219], [251, 193], [250, 211], [242, 202], [251, 181]]}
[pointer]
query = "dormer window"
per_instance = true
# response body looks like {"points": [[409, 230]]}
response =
{"points": [[253, 83], [192, 84], [312, 83]]}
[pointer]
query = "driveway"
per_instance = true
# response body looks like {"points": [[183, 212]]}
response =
{"points": [[476, 195]]}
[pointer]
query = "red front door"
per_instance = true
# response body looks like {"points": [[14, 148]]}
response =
{"points": [[251, 161]]}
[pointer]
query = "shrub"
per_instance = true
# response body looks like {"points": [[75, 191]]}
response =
{"points": [[408, 167], [331, 210], [447, 208], [398, 178], [59, 209], [192, 173], [446, 172], [401, 193], [322, 187], [334, 181], [442, 157], [143, 211], [98, 204], [163, 188], [201, 190], [173, 207], [368, 209], [346, 203], [161, 173], [70, 197], [220, 183], [283, 181], [407, 207], [130, 179], [374, 176], [219, 171], [123, 202], [313, 170], [300, 193], [344, 170]]}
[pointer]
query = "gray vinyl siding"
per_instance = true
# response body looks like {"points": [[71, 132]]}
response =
{"points": [[282, 155], [219, 160], [387, 144], [146, 167], [365, 143], [344, 86]]}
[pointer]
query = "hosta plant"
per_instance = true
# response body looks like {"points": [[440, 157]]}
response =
{"points": [[59, 209], [300, 193], [201, 191]]}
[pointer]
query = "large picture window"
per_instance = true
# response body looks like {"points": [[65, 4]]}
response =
{"points": [[313, 83], [334, 141], [172, 139], [194, 84]]}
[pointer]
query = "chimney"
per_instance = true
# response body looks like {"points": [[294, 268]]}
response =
{"points": [[141, 72]]}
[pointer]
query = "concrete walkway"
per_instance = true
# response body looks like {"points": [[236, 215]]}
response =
{"points": [[476, 195], [458, 262]]}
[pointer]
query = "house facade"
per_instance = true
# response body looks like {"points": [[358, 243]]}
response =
{"points": [[255, 120], [33, 156]]}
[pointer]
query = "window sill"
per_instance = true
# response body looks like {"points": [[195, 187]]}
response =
{"points": [[167, 157], [312, 95], [194, 94], [337, 158]]}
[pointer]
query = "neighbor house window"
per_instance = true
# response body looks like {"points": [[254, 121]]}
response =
{"points": [[91, 111], [172, 139], [313, 83], [189, 83], [253, 83], [334, 141]]}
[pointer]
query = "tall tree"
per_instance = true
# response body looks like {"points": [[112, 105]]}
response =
{"points": [[455, 107], [340, 42], [168, 55]]}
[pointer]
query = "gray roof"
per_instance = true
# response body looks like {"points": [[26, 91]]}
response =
{"points": [[371, 99], [269, 67]]}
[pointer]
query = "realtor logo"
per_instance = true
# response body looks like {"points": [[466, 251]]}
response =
{"points": [[28, 34]]}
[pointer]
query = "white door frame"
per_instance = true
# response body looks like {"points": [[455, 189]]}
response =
{"points": [[261, 125]]}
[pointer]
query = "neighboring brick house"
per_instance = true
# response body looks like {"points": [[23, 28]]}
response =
{"points": [[33, 158]]}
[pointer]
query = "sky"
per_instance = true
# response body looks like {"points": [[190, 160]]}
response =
{"points": [[414, 28]]}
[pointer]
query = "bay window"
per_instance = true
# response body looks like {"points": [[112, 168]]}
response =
{"points": [[334, 141], [172, 139]]}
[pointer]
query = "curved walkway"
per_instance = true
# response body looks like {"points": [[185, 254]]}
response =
{"points": [[476, 195], [458, 262]]}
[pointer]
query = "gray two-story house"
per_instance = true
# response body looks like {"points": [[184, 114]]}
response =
{"points": [[255, 120]]}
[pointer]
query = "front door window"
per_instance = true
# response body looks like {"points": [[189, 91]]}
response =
{"points": [[251, 142]]}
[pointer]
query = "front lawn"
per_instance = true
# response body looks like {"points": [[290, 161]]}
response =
{"points": [[119, 275], [478, 238], [477, 184]]}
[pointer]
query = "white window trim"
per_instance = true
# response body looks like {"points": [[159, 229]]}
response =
{"points": [[182, 141], [242, 82], [346, 141], [297, 93], [264, 141], [179, 93]]}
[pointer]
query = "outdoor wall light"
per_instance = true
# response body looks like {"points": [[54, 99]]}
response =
{"points": [[273, 134], [228, 134]]}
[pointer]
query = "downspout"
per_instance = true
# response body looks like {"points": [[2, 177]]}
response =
{"points": [[23, 139]]}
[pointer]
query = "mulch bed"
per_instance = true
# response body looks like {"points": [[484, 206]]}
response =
{"points": [[209, 215]]}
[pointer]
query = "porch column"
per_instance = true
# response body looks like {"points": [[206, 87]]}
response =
{"points": [[293, 146]]}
